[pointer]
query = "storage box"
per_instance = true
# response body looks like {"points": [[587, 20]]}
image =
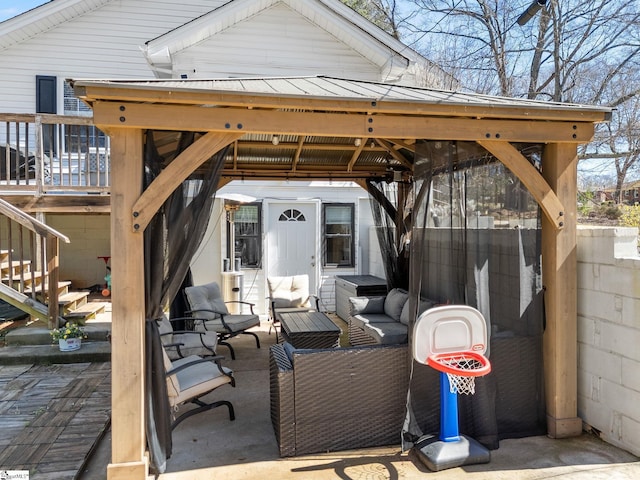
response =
{"points": [[356, 286]]}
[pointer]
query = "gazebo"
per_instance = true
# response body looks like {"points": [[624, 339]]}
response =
{"points": [[331, 129]]}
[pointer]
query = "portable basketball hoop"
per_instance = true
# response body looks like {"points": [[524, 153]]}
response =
{"points": [[452, 339], [461, 369]]}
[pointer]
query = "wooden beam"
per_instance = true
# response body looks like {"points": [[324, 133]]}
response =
{"points": [[128, 458], [174, 174], [356, 154], [242, 120], [395, 154], [530, 177], [559, 275]]}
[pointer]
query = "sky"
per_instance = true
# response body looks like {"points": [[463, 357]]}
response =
{"points": [[11, 8]]}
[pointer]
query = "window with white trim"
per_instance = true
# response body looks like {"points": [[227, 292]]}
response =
{"points": [[338, 238]]}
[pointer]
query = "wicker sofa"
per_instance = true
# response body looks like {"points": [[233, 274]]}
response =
{"points": [[337, 399], [381, 319]]}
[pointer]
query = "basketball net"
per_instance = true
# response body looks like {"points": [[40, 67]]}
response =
{"points": [[461, 368]]}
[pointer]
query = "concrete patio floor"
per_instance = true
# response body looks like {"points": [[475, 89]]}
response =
{"points": [[209, 446]]}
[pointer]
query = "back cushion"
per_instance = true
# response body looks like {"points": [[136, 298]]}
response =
{"points": [[288, 292], [394, 302], [424, 305], [207, 297]]}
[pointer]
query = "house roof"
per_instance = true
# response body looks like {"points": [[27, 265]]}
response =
{"points": [[43, 18], [393, 57], [327, 128], [331, 15]]}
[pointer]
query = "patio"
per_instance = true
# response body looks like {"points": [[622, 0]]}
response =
{"points": [[208, 445]]}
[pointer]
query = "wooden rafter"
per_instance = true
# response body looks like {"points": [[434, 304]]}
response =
{"points": [[530, 177], [174, 174]]}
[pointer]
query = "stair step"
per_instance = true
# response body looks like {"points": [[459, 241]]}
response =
{"points": [[13, 268], [87, 311], [28, 278], [63, 288], [72, 300]]}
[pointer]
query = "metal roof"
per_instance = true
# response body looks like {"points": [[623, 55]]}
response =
{"points": [[331, 88], [330, 127]]}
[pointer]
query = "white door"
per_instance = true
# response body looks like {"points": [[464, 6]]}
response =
{"points": [[292, 240]]}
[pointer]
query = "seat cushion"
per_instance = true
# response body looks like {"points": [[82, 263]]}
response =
{"points": [[198, 379], [206, 297], [362, 320], [236, 323], [387, 333], [290, 291], [360, 305], [394, 302]]}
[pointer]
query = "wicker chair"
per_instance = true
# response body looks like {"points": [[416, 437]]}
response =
{"points": [[337, 399]]}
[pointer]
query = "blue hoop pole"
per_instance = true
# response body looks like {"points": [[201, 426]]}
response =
{"points": [[448, 411]]}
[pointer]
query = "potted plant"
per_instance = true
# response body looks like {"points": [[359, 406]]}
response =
{"points": [[69, 336]]}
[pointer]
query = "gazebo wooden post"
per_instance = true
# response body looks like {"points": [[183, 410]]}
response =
{"points": [[559, 274], [128, 460]]}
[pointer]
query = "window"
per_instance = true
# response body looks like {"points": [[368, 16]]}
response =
{"points": [[338, 234], [46, 94], [81, 138], [248, 235]]}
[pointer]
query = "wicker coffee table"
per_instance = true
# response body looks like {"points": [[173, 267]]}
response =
{"points": [[309, 330]]}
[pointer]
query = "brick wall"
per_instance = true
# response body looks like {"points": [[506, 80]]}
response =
{"points": [[609, 333]]}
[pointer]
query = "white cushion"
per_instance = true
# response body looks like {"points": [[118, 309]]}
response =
{"points": [[290, 291]]}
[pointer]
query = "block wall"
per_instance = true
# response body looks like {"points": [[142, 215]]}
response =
{"points": [[609, 334]]}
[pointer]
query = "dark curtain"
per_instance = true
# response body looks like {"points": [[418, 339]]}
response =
{"points": [[391, 210], [170, 241], [476, 241]]}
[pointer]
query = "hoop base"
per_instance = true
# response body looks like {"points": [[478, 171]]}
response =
{"points": [[440, 455]]}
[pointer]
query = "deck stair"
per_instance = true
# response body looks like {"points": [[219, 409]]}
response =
{"points": [[74, 305], [29, 264]]}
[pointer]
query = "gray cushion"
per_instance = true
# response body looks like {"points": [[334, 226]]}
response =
{"points": [[394, 302], [360, 305], [206, 297], [425, 304], [236, 323], [362, 320], [387, 333]]}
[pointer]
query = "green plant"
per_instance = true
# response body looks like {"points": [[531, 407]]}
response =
{"points": [[630, 216], [70, 330]]}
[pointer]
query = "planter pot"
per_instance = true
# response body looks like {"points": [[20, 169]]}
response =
{"points": [[69, 344]]}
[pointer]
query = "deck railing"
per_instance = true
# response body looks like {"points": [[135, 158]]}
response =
{"points": [[52, 154]]}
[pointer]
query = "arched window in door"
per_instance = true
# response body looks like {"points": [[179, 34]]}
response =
{"points": [[292, 215]]}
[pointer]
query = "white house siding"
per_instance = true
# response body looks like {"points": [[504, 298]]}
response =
{"points": [[102, 44], [609, 334], [207, 263], [90, 238], [276, 42]]}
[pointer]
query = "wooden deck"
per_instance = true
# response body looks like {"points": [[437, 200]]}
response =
{"points": [[52, 417]]}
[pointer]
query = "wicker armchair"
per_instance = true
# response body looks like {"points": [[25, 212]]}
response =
{"points": [[337, 399]]}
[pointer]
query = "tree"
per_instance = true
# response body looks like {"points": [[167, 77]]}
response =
{"points": [[581, 51]]}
